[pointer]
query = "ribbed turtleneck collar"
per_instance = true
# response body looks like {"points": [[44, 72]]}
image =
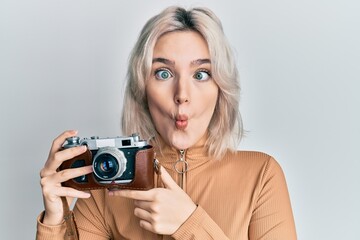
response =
{"points": [[167, 155]]}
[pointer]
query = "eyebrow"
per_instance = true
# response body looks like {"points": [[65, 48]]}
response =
{"points": [[200, 61], [172, 63], [163, 60]]}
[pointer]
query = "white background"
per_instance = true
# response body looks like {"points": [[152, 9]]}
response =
{"points": [[63, 62]]}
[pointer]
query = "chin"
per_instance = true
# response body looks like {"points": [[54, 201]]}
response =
{"points": [[182, 141], [181, 146]]}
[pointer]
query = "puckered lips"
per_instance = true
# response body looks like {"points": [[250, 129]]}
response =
{"points": [[181, 121]]}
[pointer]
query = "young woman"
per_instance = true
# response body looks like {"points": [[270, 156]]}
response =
{"points": [[182, 94]]}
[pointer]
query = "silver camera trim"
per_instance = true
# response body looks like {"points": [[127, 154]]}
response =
{"points": [[132, 141], [118, 155], [95, 142]]}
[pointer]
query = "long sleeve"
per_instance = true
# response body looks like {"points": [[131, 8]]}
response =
{"points": [[45, 232], [272, 216], [90, 217], [243, 196], [199, 226], [89, 220]]}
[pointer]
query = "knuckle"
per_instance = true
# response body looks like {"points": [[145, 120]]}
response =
{"points": [[156, 227], [45, 172], [42, 173], [65, 174], [46, 191], [43, 182], [136, 212], [157, 196], [56, 143], [57, 157], [154, 208], [154, 218]]}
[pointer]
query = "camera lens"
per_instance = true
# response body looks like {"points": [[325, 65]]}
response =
{"points": [[109, 163]]}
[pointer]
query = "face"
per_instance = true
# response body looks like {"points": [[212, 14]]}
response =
{"points": [[180, 91]]}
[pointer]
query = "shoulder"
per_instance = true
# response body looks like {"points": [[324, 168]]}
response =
{"points": [[250, 170], [248, 158], [249, 155], [252, 162]]}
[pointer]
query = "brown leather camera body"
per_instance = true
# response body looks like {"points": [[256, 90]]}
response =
{"points": [[143, 175]]}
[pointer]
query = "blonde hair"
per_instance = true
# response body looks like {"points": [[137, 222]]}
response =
{"points": [[225, 128]]}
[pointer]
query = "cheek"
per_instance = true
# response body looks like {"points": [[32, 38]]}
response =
{"points": [[153, 104], [209, 102], [209, 99], [154, 111], [157, 94], [157, 103]]}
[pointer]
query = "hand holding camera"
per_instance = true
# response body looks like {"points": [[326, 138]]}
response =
{"points": [[118, 163], [51, 179], [63, 175]]}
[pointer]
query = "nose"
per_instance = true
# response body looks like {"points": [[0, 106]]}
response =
{"points": [[181, 99], [182, 91]]}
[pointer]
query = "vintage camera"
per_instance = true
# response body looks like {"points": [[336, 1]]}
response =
{"points": [[119, 162]]}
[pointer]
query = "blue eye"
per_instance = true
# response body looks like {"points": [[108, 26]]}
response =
{"points": [[202, 75], [163, 74]]}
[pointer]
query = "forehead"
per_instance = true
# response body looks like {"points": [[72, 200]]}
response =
{"points": [[181, 45]]}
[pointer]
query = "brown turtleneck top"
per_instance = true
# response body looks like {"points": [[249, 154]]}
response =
{"points": [[243, 196]]}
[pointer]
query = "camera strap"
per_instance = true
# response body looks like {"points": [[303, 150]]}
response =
{"points": [[71, 229]]}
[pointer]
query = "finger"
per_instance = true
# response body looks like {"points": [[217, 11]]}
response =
{"points": [[146, 225], [143, 214], [149, 206], [133, 194], [71, 192], [61, 156], [167, 179], [70, 173], [59, 141]]}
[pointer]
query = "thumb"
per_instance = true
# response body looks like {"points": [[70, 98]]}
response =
{"points": [[167, 179]]}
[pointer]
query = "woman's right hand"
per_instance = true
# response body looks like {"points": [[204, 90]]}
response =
{"points": [[51, 179]]}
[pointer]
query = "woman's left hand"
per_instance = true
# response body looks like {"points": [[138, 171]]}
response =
{"points": [[161, 210]]}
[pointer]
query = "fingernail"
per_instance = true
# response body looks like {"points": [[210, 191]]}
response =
{"points": [[74, 131], [111, 193]]}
